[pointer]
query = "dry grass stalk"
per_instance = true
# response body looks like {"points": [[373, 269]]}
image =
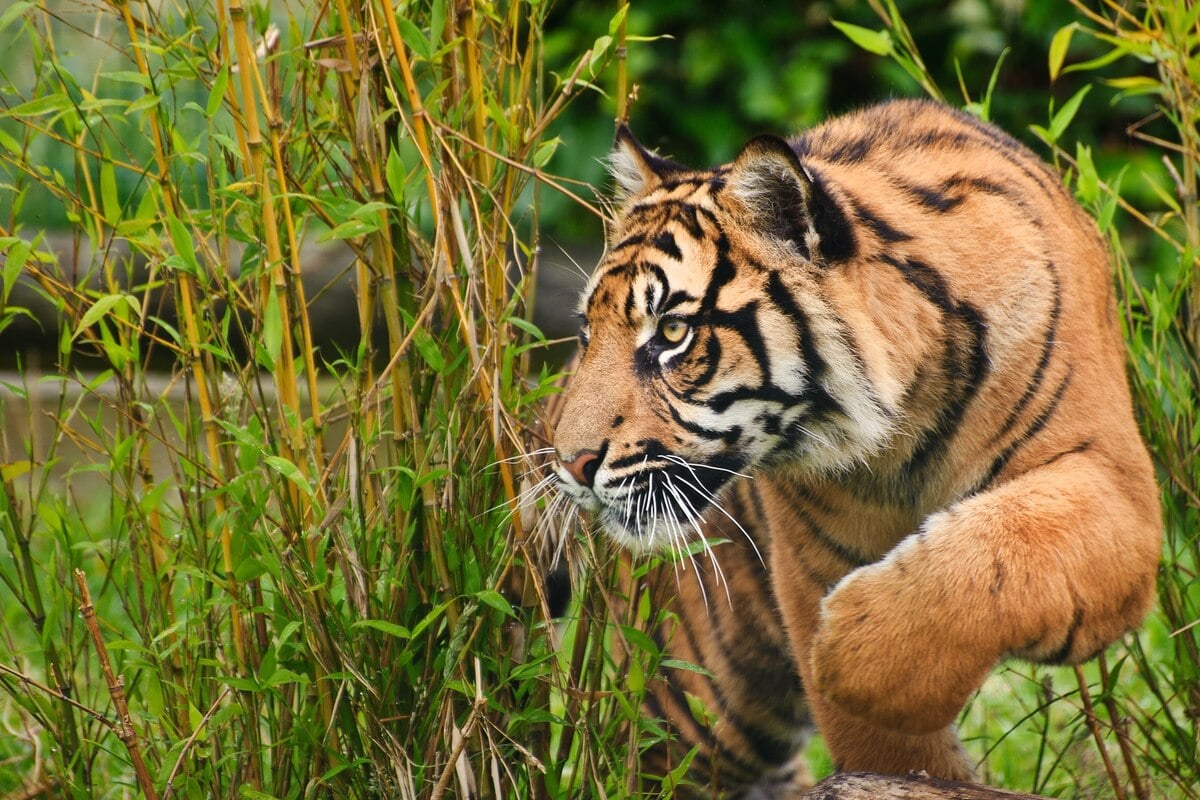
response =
{"points": [[116, 688]]}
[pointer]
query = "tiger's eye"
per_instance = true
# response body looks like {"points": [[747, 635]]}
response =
{"points": [[673, 329]]}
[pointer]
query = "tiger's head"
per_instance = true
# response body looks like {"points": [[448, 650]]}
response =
{"points": [[707, 350]]}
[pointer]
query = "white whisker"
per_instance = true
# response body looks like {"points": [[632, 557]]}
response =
{"points": [[715, 503], [694, 518], [691, 465]]}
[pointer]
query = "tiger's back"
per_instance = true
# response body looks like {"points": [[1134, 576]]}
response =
{"points": [[902, 327]]}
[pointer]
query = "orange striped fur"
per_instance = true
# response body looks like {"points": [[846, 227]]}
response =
{"points": [[886, 351]]}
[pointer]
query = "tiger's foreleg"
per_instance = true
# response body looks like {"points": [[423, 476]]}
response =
{"points": [[854, 743], [1050, 566]]}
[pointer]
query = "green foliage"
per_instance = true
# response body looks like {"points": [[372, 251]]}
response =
{"points": [[303, 562]]}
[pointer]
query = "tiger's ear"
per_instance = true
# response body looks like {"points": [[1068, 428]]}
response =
{"points": [[635, 168], [776, 191]]}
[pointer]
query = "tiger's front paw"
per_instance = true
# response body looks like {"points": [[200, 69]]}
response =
{"points": [[898, 650]]}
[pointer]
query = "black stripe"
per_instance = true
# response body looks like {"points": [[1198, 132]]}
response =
{"points": [[766, 747], [1083, 446], [630, 241], [1039, 372], [851, 151], [989, 137], [1034, 428], [721, 401], [839, 548], [660, 276], [665, 243], [836, 234], [964, 361], [886, 232], [717, 752], [984, 186], [688, 216], [675, 298], [1060, 655], [743, 321], [816, 393], [723, 272], [712, 362], [729, 437], [938, 200]]}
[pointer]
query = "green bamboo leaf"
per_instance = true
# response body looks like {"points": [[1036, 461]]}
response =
{"points": [[14, 469], [351, 229], [1136, 84], [109, 201], [415, 38], [496, 600], [12, 12], [527, 326], [545, 151], [599, 52], [272, 332], [1058, 48], [283, 675], [1104, 219], [39, 106], [129, 76], [1087, 186], [428, 348], [217, 95], [1062, 118], [877, 42], [181, 239], [14, 261], [384, 626], [675, 663], [1099, 61], [144, 103], [102, 307], [614, 24], [437, 20], [396, 176], [290, 471], [9, 143]]}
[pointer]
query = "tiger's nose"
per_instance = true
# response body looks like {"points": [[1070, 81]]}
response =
{"points": [[583, 467]]}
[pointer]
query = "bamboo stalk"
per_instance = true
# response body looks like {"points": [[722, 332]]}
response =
{"points": [[1122, 732], [186, 287], [622, 67], [116, 688], [1093, 724]]}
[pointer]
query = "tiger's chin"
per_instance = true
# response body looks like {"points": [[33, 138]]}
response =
{"points": [[645, 535]]}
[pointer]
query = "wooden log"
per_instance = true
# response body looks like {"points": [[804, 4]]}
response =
{"points": [[914, 786]]}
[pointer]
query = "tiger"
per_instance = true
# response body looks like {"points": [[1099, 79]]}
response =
{"points": [[882, 362]]}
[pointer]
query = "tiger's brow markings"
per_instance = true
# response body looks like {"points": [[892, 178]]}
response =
{"points": [[674, 300], [665, 243]]}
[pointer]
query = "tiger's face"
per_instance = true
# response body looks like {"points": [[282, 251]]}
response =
{"points": [[697, 363]]}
